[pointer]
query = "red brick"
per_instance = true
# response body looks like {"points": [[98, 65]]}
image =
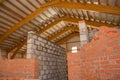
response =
{"points": [[97, 60], [17, 67], [92, 79], [118, 62]]}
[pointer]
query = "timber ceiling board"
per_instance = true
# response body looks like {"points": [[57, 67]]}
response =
{"points": [[14, 12]]}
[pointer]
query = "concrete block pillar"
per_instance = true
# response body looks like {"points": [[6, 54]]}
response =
{"points": [[30, 44], [84, 38]]}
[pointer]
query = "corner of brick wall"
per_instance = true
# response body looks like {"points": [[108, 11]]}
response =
{"points": [[97, 60], [19, 69]]}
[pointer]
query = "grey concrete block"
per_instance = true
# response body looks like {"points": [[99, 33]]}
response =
{"points": [[52, 58], [30, 41], [39, 47], [35, 37]]}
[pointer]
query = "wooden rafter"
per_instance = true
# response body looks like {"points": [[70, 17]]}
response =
{"points": [[65, 4], [51, 25], [19, 47], [116, 2], [99, 2], [28, 18], [107, 2], [51, 38], [66, 19], [73, 20], [1, 1], [93, 7], [63, 31], [98, 24], [91, 1], [67, 38]]}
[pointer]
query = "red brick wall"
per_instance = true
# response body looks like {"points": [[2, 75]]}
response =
{"points": [[97, 60], [19, 69]]}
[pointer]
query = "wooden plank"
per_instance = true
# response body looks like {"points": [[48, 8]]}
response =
{"points": [[93, 7], [65, 4], [51, 25], [62, 32], [67, 38], [97, 24], [28, 18], [19, 47], [107, 2], [1, 1], [99, 2], [116, 2]]}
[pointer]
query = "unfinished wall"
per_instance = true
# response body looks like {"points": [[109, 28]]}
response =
{"points": [[19, 69], [52, 58], [97, 60], [75, 41]]}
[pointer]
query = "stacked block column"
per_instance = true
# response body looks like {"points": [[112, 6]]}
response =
{"points": [[84, 37]]}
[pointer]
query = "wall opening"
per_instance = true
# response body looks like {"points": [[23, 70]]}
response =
{"points": [[74, 49]]}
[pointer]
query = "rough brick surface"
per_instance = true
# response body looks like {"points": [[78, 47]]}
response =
{"points": [[19, 69], [97, 60]]}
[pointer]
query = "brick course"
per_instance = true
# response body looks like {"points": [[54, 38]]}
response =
{"points": [[17, 69], [97, 60]]}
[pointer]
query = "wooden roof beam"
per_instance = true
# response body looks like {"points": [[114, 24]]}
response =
{"points": [[1, 1], [93, 7], [27, 19], [51, 25], [73, 28], [93, 23], [73, 20], [67, 38], [51, 38], [18, 47], [65, 4]]}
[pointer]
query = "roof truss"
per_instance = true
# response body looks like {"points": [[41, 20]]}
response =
{"points": [[28, 18], [65, 4], [93, 7], [75, 20], [67, 38], [72, 28]]}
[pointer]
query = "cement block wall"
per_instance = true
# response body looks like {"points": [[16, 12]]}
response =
{"points": [[19, 69], [53, 65], [97, 60]]}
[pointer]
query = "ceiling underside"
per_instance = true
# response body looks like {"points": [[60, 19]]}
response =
{"points": [[52, 19]]}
